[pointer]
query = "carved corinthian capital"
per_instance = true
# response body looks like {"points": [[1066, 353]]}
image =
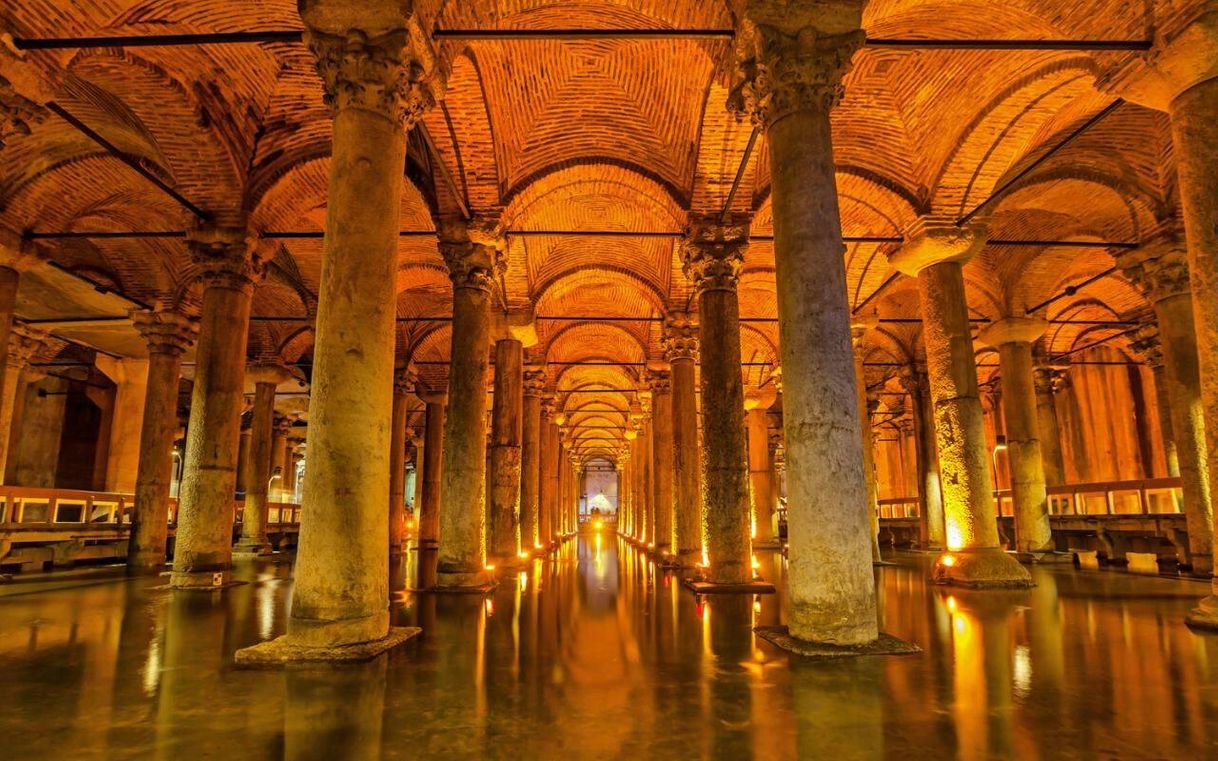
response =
{"points": [[779, 72], [225, 258], [1158, 269], [713, 252], [680, 338], [473, 251], [392, 74]]}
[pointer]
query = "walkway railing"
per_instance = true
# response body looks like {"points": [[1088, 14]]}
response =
{"points": [[1146, 496], [31, 506]]}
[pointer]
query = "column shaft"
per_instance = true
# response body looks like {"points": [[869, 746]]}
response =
{"points": [[530, 462], [1045, 379], [687, 498], [930, 495], [1032, 532], [868, 443], [397, 469], [253, 525], [662, 464], [433, 459], [1166, 433], [761, 478], [9, 280], [548, 464], [506, 439]]}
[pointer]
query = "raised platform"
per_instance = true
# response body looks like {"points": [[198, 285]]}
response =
{"points": [[885, 644], [699, 587], [281, 653]]}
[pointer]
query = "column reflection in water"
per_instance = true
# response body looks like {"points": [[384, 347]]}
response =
{"points": [[335, 713]]}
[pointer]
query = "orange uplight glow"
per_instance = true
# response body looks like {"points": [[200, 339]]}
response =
{"points": [[490, 566], [947, 560], [597, 524]]}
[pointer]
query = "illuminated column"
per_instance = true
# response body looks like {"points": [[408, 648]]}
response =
{"points": [[1180, 76], [1159, 270], [403, 387], [1146, 347], [1048, 381], [23, 344], [930, 497], [168, 335], [265, 379], [504, 482], [290, 469], [661, 458], [858, 330], [713, 256], [563, 477], [548, 460], [788, 78], [757, 403], [934, 254], [534, 380], [433, 459], [243, 455], [647, 467], [279, 452], [637, 477], [474, 255], [623, 504], [374, 80], [203, 543], [681, 351], [16, 256], [1013, 338], [130, 377]]}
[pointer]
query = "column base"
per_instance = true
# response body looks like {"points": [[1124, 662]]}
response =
{"points": [[1205, 615], [202, 581], [1200, 565], [1044, 558], [767, 544], [283, 652], [510, 562], [885, 644], [251, 548], [464, 582], [701, 587], [980, 569]]}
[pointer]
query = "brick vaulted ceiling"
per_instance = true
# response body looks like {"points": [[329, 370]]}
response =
{"points": [[597, 135]]}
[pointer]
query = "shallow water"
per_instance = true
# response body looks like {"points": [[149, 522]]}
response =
{"points": [[596, 655]]}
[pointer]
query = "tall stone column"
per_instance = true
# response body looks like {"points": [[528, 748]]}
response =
{"points": [[1048, 382], [1013, 338], [662, 459], [280, 454], [243, 454], [265, 379], [713, 257], [374, 72], [168, 335], [647, 469], [130, 377], [858, 330], [23, 344], [203, 544], [788, 78], [290, 457], [934, 253], [1160, 272], [623, 504], [547, 465], [507, 418], [757, 403], [534, 380], [1180, 76], [1146, 345], [403, 388], [16, 256], [473, 253], [637, 477], [681, 352], [433, 464], [930, 496]]}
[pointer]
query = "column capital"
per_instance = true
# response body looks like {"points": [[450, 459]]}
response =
{"points": [[792, 57], [282, 424], [24, 90], [473, 250], [680, 338], [165, 332], [392, 74], [225, 257], [269, 373], [427, 396], [534, 380], [23, 344], [405, 380], [1184, 55], [761, 398], [1159, 268], [712, 253], [660, 381], [1048, 380], [1012, 330], [16, 252], [1146, 346], [934, 240], [859, 325]]}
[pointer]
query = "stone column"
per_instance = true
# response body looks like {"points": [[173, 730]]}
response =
{"points": [[16, 256], [265, 379], [130, 377], [290, 461], [280, 453], [23, 344], [375, 84], [534, 380], [506, 441], [761, 472], [681, 352], [243, 454], [858, 330], [547, 463], [203, 543], [1013, 338], [168, 335], [417, 444], [930, 495], [474, 256], [623, 504], [433, 463], [646, 469], [934, 253], [1048, 382], [713, 256], [788, 78], [403, 388], [662, 458], [1159, 270]]}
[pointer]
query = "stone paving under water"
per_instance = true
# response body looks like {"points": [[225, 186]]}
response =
{"points": [[596, 655]]}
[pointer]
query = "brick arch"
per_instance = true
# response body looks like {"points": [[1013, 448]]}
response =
{"points": [[594, 341]]}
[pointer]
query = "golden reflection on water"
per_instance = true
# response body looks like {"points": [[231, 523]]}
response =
{"points": [[599, 654]]}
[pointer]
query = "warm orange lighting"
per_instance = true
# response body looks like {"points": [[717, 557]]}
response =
{"points": [[489, 604], [947, 560], [597, 524], [756, 563], [490, 566], [951, 604], [523, 555], [537, 545]]}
